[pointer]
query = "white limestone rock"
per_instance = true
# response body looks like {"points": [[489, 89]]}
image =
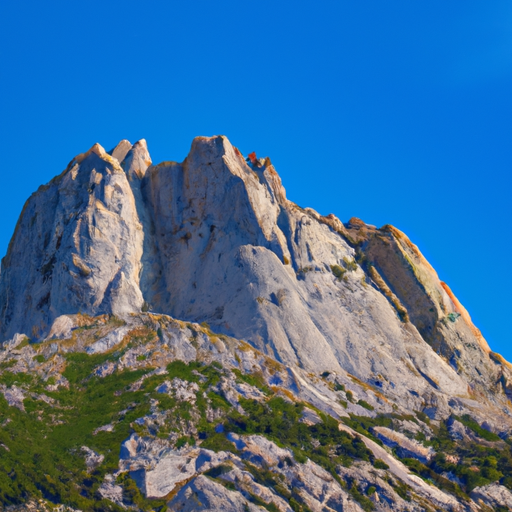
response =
{"points": [[15, 342], [406, 447], [310, 417], [167, 473], [205, 495], [111, 491], [108, 342], [92, 458], [182, 390], [77, 248], [14, 396], [214, 239], [493, 495], [121, 150], [457, 430], [103, 428], [62, 327], [234, 252]]}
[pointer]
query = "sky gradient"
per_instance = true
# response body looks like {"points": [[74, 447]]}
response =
{"points": [[396, 112]]}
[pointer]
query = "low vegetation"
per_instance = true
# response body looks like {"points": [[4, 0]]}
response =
{"points": [[339, 272], [42, 455]]}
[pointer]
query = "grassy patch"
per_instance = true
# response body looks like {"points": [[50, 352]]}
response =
{"points": [[366, 405], [477, 429], [366, 504], [255, 379], [45, 459], [350, 265]]}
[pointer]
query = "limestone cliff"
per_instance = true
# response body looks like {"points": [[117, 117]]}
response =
{"points": [[77, 248], [181, 336], [215, 240]]}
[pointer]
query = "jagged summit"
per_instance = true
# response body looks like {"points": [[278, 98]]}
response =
{"points": [[214, 239], [121, 150]]}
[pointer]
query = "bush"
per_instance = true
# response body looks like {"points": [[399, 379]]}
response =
{"points": [[366, 405], [380, 464], [218, 443], [350, 265], [469, 422], [338, 272], [366, 504]]}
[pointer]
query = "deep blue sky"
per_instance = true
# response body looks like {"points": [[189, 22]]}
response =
{"points": [[395, 112]]}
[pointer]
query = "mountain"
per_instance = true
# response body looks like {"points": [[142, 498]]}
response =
{"points": [[183, 336]]}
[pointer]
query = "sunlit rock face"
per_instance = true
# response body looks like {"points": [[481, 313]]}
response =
{"points": [[214, 239], [77, 248]]}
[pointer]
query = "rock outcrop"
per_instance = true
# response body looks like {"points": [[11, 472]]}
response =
{"points": [[77, 248]]}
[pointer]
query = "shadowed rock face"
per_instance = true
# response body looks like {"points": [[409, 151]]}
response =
{"points": [[215, 240]]}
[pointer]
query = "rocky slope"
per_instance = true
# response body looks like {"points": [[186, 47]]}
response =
{"points": [[353, 350]]}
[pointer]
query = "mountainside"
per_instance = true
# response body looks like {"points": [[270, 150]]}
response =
{"points": [[183, 336]]}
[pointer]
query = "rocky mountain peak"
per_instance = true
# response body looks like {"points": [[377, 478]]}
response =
{"points": [[121, 150], [136, 161], [239, 309], [96, 149], [214, 239]]}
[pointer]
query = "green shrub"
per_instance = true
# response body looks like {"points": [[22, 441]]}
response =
{"points": [[380, 464], [5, 365], [218, 443], [350, 265], [182, 441], [402, 490], [453, 317], [218, 401], [469, 422], [255, 379], [338, 272], [366, 405], [366, 504]]}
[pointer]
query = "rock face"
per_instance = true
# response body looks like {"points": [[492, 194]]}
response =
{"points": [[493, 495], [405, 446], [214, 239], [77, 248]]}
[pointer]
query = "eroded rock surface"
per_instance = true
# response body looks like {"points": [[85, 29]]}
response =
{"points": [[77, 248]]}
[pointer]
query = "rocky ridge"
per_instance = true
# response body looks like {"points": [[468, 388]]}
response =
{"points": [[342, 323]]}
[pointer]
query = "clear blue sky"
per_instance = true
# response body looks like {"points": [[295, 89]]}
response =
{"points": [[395, 112]]}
